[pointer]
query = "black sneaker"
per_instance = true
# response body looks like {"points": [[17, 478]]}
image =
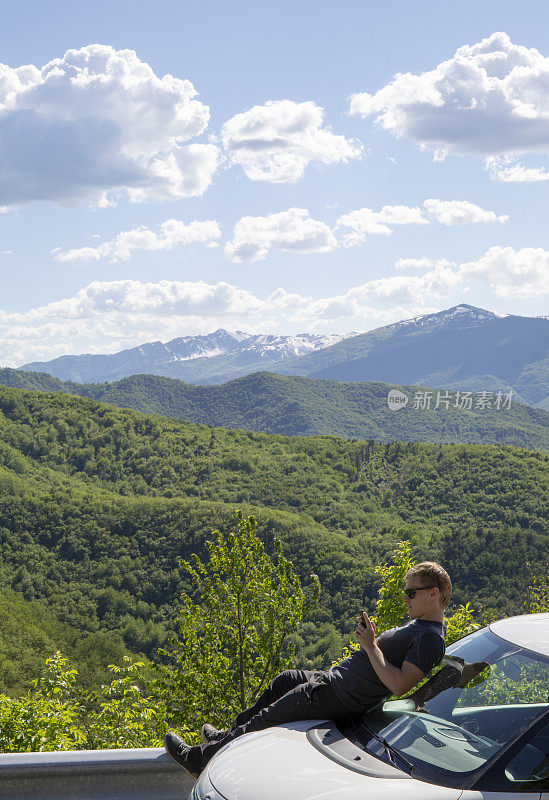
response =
{"points": [[179, 751], [209, 733]]}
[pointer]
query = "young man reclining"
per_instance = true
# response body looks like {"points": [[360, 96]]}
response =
{"points": [[391, 664]]}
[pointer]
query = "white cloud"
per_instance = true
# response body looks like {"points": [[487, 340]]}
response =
{"points": [[112, 315], [171, 233], [422, 263], [291, 230], [356, 299], [294, 230], [509, 272], [357, 225], [437, 283], [275, 142], [460, 212], [96, 124], [365, 221], [490, 98], [509, 170], [163, 297], [502, 270]]}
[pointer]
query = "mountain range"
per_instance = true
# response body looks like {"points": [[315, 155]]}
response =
{"points": [[211, 358], [461, 348], [292, 405]]}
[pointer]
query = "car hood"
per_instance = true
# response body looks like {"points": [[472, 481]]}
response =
{"points": [[281, 763]]}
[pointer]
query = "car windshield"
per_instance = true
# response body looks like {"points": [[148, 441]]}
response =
{"points": [[485, 694]]}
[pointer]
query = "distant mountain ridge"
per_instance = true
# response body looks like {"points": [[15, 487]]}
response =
{"points": [[292, 405], [251, 351], [463, 347]]}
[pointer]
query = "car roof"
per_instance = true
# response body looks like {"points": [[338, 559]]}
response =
{"points": [[527, 630]]}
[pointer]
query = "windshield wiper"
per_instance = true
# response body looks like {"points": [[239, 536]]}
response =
{"points": [[390, 750]]}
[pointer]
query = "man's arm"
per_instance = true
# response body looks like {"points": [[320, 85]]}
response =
{"points": [[398, 681]]}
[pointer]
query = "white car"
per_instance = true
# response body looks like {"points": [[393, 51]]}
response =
{"points": [[478, 729]]}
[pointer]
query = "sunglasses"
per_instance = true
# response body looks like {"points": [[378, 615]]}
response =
{"points": [[411, 593]]}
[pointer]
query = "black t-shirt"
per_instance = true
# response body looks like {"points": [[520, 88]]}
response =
{"points": [[354, 680]]}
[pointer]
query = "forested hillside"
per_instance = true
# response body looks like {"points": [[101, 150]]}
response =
{"points": [[293, 405], [98, 503], [30, 632]]}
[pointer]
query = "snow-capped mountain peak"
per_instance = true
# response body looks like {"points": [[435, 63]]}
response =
{"points": [[461, 313]]}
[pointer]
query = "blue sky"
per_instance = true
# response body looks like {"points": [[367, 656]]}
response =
{"points": [[303, 186]]}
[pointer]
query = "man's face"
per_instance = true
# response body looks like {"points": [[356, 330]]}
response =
{"points": [[423, 600]]}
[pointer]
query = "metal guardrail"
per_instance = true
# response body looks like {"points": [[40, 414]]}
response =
{"points": [[138, 774]]}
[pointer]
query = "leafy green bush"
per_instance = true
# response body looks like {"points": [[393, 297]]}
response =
{"points": [[126, 717], [55, 715], [48, 717]]}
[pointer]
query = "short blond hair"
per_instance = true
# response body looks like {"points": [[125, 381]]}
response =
{"points": [[429, 572]]}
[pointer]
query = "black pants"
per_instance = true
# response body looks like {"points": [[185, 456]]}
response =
{"points": [[292, 695]]}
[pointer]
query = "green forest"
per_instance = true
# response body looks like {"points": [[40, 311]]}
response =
{"points": [[293, 405], [98, 505]]}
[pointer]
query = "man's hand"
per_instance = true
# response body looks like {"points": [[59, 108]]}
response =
{"points": [[365, 630]]}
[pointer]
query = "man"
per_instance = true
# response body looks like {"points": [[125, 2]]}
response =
{"points": [[391, 664]]}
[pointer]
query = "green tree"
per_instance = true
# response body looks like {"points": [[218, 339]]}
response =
{"points": [[233, 634]]}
